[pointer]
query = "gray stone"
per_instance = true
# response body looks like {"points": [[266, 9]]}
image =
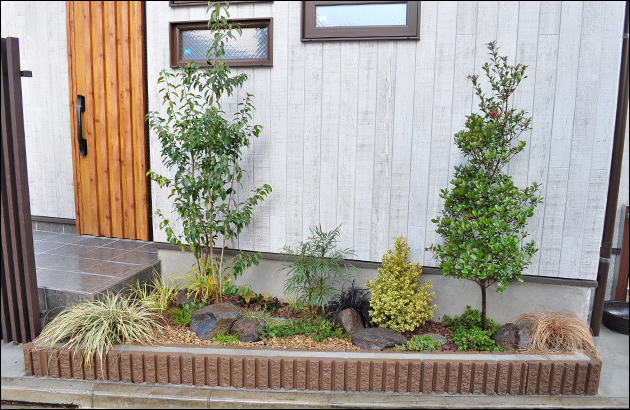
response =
{"points": [[246, 328], [183, 297], [349, 320], [512, 337], [377, 338], [213, 319]]}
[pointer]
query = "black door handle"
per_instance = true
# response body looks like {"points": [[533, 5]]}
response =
{"points": [[82, 141]]}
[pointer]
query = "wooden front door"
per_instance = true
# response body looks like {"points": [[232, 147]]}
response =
{"points": [[107, 103]]}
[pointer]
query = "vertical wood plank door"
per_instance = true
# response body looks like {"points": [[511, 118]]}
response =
{"points": [[107, 103]]}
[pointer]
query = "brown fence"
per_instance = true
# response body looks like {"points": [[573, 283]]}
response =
{"points": [[20, 303]]}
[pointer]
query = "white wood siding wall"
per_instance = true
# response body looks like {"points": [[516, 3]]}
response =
{"points": [[360, 133], [41, 28]]}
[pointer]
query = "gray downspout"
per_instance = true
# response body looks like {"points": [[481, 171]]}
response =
{"points": [[605, 251]]}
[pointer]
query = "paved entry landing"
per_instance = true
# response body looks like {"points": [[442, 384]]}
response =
{"points": [[73, 268]]}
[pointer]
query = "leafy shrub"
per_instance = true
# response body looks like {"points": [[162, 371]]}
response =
{"points": [[399, 301], [419, 343], [93, 327], [485, 215], [318, 328], [467, 331], [226, 339], [558, 331], [355, 298], [317, 268], [182, 316], [157, 294]]}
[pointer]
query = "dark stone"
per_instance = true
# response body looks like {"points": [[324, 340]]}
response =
{"points": [[213, 319], [246, 328], [183, 297], [512, 337], [349, 320], [377, 338]]}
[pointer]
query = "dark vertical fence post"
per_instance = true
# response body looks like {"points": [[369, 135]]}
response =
{"points": [[20, 303]]}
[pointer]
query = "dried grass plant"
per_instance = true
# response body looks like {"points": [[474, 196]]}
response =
{"points": [[93, 327], [558, 332]]}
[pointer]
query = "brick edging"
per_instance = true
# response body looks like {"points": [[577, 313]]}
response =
{"points": [[514, 377]]}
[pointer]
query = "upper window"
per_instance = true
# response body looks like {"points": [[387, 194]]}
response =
{"points": [[191, 40], [360, 20]]}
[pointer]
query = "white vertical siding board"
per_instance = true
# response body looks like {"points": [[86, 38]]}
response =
{"points": [[365, 149], [402, 137], [422, 132], [331, 84], [550, 12], [441, 135], [550, 247], [348, 126], [246, 237], [539, 143], [582, 139], [467, 17], [593, 224], [295, 138], [383, 145], [486, 32], [312, 137], [278, 127], [507, 29], [523, 98]]}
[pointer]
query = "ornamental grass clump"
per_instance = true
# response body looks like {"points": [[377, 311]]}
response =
{"points": [[91, 328], [156, 294], [558, 332], [399, 301], [485, 215]]}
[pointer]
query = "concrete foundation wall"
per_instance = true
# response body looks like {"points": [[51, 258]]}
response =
{"points": [[451, 295]]}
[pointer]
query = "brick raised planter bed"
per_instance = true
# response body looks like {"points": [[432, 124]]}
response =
{"points": [[402, 372]]}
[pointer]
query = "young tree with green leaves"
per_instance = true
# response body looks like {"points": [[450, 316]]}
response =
{"points": [[485, 215], [203, 148]]}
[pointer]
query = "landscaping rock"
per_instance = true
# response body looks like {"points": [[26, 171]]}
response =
{"points": [[377, 338], [183, 297], [349, 320], [246, 328], [511, 336], [213, 319]]}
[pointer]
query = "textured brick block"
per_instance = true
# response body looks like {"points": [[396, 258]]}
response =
{"points": [[503, 377], [478, 377], [544, 378], [188, 371], [53, 364], [212, 371], [415, 377], [519, 378], [174, 369], [428, 369], [377, 376], [352, 372], [150, 368], [287, 374], [452, 385], [137, 368], [250, 372], [491, 378], [262, 373], [199, 362], [339, 375], [28, 358], [440, 377], [581, 374], [326, 376], [113, 367], [161, 368], [40, 362], [77, 365], [594, 373], [533, 369], [101, 367], [65, 364], [389, 376], [238, 378], [225, 372], [555, 384], [275, 373], [568, 384], [466, 377], [365, 369], [125, 367], [300, 374], [402, 377], [89, 369]]}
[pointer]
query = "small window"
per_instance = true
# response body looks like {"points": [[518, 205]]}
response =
{"points": [[190, 40], [360, 20]]}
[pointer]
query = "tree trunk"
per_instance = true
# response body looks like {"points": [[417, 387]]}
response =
{"points": [[483, 306]]}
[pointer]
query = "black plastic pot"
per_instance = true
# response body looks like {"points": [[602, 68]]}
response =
{"points": [[615, 316]]}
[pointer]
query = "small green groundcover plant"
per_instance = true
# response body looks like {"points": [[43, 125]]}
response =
{"points": [[468, 333], [399, 301], [318, 328], [182, 316], [228, 339], [419, 343]]}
